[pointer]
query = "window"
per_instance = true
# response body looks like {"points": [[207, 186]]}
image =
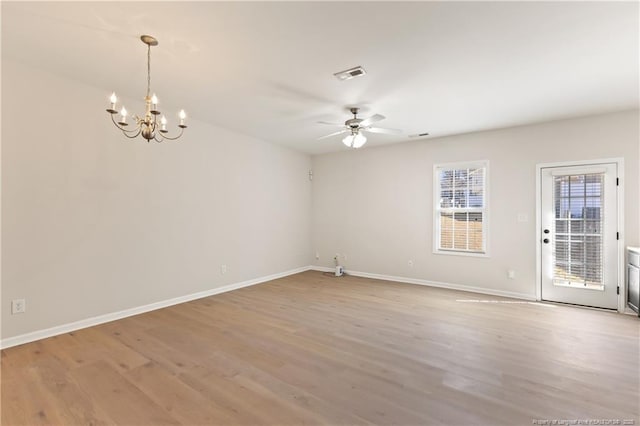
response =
{"points": [[579, 215], [460, 219]]}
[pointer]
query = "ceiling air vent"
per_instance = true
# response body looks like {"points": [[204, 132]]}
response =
{"points": [[350, 73]]}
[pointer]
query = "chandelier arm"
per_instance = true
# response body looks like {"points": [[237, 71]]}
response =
{"points": [[124, 129], [132, 136], [162, 137]]}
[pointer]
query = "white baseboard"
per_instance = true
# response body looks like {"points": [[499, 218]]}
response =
{"points": [[101, 319], [406, 280]]}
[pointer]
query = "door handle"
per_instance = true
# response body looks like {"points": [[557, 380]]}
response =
{"points": [[546, 241]]}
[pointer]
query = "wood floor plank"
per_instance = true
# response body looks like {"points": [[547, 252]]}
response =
{"points": [[186, 404], [315, 349], [124, 402], [317, 410]]}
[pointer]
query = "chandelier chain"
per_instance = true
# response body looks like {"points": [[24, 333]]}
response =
{"points": [[148, 70]]}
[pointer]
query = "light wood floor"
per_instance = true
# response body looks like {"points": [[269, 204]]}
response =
{"points": [[313, 349]]}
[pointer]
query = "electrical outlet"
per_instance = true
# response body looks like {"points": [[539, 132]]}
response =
{"points": [[223, 269], [18, 306], [511, 274], [410, 263], [344, 257], [523, 217]]}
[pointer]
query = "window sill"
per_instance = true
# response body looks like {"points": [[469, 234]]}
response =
{"points": [[461, 253]]}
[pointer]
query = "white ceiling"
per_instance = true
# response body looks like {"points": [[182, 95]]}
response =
{"points": [[266, 69]]}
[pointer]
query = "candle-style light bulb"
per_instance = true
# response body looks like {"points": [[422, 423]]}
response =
{"points": [[113, 99], [123, 113], [163, 122], [154, 102], [182, 115]]}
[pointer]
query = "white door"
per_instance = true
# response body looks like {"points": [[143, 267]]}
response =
{"points": [[579, 255]]}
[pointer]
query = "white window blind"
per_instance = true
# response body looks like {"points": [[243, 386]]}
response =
{"points": [[461, 207], [579, 222]]}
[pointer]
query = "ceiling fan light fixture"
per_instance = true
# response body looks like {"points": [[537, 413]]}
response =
{"points": [[355, 140], [355, 126]]}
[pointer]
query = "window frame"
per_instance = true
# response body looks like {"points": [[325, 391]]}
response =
{"points": [[437, 210]]}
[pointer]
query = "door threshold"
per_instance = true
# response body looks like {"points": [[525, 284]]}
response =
{"points": [[575, 305]]}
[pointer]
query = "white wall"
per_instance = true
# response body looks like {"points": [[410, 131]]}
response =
{"points": [[375, 204], [94, 223]]}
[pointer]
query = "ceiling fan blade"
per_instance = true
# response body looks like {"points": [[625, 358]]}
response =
{"points": [[374, 118], [331, 124], [383, 131], [333, 134]]}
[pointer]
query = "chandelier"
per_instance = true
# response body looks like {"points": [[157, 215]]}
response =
{"points": [[148, 125]]}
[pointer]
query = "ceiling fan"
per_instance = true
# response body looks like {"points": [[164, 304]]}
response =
{"points": [[355, 126]]}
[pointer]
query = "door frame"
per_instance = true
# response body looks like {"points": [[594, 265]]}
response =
{"points": [[619, 162]]}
